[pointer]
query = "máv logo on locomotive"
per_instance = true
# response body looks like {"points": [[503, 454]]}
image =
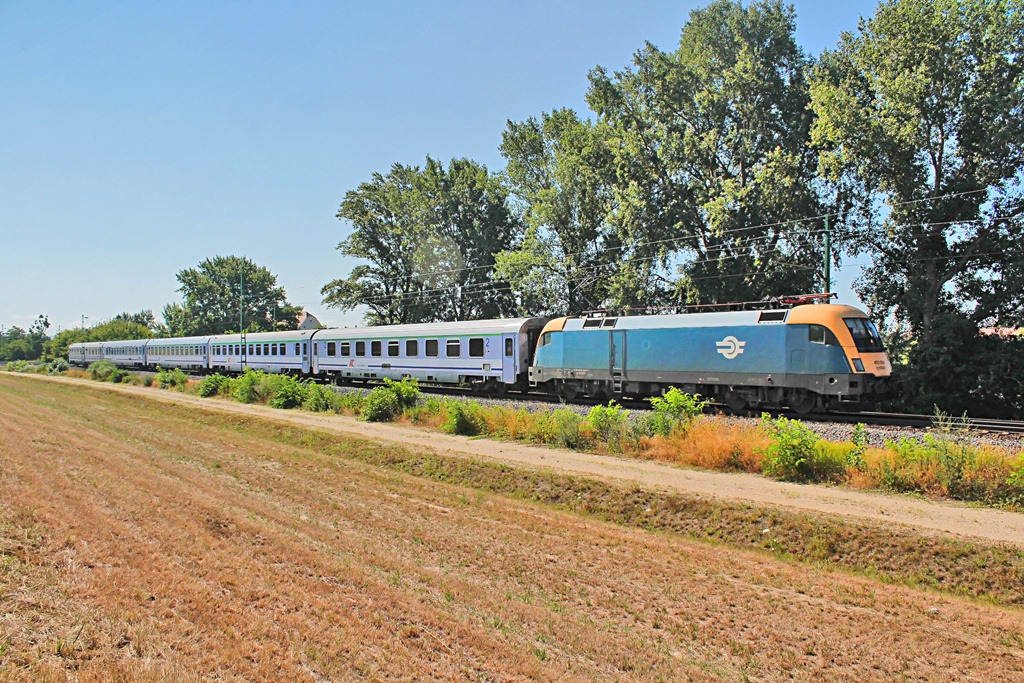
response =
{"points": [[730, 347]]}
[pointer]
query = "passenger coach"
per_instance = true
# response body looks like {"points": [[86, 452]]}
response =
{"points": [[491, 355]]}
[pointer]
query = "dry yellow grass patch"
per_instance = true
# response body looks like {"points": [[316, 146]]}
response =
{"points": [[714, 443]]}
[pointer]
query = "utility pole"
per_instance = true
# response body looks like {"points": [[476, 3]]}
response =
{"points": [[828, 257], [241, 325], [84, 318]]}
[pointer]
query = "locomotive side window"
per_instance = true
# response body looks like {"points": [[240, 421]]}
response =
{"points": [[476, 347], [609, 322], [360, 348], [346, 349], [453, 348], [412, 348], [508, 347], [393, 349], [591, 322], [432, 348], [816, 334], [375, 348], [545, 339]]}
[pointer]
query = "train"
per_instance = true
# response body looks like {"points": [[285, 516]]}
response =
{"points": [[800, 353]]}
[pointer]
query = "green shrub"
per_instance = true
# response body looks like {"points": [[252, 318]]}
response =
{"points": [[381, 405], [321, 399], [213, 385], [102, 370], [57, 366], [284, 391], [608, 424], [790, 455], [243, 387], [674, 409], [171, 379], [459, 418], [407, 391], [351, 402], [566, 432], [830, 460]]}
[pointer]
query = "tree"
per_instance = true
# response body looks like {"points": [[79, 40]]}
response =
{"points": [[145, 318], [429, 237], [213, 292], [921, 124], [561, 172], [714, 170]]}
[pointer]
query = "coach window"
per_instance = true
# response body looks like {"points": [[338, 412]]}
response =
{"points": [[360, 348], [252, 351], [431, 348], [412, 348], [266, 349], [346, 349], [375, 348], [332, 348], [273, 349], [453, 348], [476, 347], [393, 348]]}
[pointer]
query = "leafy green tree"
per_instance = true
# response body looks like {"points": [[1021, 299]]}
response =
{"points": [[920, 125], [17, 344], [428, 238], [561, 173], [714, 171], [468, 221], [213, 292], [145, 318]]}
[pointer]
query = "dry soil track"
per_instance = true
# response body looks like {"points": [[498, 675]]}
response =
{"points": [[919, 513], [140, 541]]}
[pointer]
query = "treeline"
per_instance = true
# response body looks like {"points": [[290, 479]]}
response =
{"points": [[710, 172]]}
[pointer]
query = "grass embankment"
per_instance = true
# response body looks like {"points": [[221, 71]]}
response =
{"points": [[149, 541], [944, 464]]}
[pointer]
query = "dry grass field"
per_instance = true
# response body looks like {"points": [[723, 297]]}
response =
{"points": [[146, 541]]}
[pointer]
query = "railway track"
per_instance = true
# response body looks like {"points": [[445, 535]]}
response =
{"points": [[978, 425]]}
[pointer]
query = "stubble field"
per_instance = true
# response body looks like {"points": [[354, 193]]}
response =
{"points": [[147, 541]]}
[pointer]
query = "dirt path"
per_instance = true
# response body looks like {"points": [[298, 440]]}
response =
{"points": [[147, 544], [919, 513]]}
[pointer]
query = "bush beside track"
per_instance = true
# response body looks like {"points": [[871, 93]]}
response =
{"points": [[943, 464]]}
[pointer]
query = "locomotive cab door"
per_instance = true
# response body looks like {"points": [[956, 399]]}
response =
{"points": [[617, 359]]}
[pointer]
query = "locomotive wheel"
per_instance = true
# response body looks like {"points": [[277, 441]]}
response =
{"points": [[567, 391], [803, 402], [735, 402]]}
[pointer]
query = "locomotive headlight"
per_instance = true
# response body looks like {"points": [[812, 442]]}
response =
{"points": [[858, 365]]}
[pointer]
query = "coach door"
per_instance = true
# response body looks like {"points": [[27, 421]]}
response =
{"points": [[509, 358], [305, 357], [617, 353]]}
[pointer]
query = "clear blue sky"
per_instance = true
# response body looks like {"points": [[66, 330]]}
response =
{"points": [[138, 138]]}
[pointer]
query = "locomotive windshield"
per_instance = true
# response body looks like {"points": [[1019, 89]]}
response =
{"points": [[865, 335]]}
